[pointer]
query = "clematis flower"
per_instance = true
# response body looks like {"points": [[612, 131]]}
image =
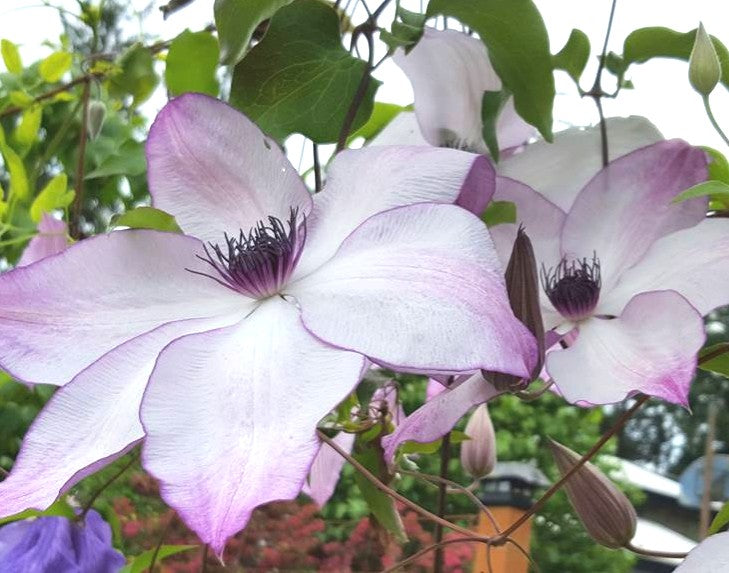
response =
{"points": [[52, 238], [233, 341], [57, 544], [709, 556], [627, 274], [449, 72], [326, 468]]}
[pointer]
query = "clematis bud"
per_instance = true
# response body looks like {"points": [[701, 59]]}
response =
{"points": [[603, 509], [522, 287], [95, 117], [59, 544], [478, 455], [704, 65]]}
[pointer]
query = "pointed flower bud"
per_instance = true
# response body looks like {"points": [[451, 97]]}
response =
{"points": [[522, 287], [478, 455], [704, 66], [95, 118], [603, 509]]}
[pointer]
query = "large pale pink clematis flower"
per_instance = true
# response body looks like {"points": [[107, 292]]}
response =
{"points": [[233, 341], [449, 72], [627, 273], [52, 238], [709, 556]]}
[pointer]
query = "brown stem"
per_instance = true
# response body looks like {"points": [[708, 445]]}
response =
{"points": [[78, 201], [434, 547], [384, 488], [445, 456], [85, 79], [317, 169], [108, 482], [559, 483], [722, 348], [159, 544], [204, 566], [597, 93], [667, 554], [456, 488]]}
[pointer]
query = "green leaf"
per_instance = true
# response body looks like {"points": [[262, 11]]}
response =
{"points": [[147, 218], [236, 20], [499, 212], [410, 447], [20, 98], [719, 364], [59, 507], [55, 195], [719, 166], [655, 42], [720, 520], [518, 46], [491, 106], [11, 56], [27, 130], [572, 58], [381, 505], [299, 78], [191, 64], [137, 76], [715, 189], [142, 561], [382, 114], [129, 160], [54, 66], [19, 187]]}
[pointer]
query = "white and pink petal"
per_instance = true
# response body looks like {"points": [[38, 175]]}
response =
{"points": [[230, 416], [326, 469], [216, 171], [650, 348], [418, 289], [52, 238]]}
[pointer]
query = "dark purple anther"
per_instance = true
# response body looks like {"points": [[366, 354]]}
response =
{"points": [[573, 288], [257, 264]]}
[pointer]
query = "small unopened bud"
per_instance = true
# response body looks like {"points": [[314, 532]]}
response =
{"points": [[704, 65], [95, 118], [603, 509], [522, 287], [478, 455]]}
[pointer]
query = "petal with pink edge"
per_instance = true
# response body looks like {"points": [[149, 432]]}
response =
{"points": [[364, 182], [88, 423], [418, 289], [651, 348], [628, 206], [709, 556], [230, 416], [60, 314], [561, 169], [693, 262], [216, 172], [324, 472], [438, 415], [50, 240], [449, 72]]}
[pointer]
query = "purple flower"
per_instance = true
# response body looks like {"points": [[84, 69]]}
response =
{"points": [[60, 545], [449, 72], [231, 342], [627, 273]]}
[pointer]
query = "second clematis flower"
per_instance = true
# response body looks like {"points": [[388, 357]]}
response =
{"points": [[627, 273], [224, 347]]}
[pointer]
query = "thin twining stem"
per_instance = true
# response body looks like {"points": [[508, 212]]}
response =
{"points": [[415, 556], [559, 483], [455, 488], [395, 495], [668, 554]]}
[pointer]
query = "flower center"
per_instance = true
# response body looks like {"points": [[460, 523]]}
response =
{"points": [[573, 287], [257, 263]]}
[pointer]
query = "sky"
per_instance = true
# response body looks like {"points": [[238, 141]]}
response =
{"points": [[662, 93]]}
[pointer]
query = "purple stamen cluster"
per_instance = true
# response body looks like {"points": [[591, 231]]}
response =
{"points": [[259, 262], [573, 287]]}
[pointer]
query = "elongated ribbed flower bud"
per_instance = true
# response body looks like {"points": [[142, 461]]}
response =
{"points": [[96, 117], [522, 287], [478, 455], [603, 509], [704, 65]]}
